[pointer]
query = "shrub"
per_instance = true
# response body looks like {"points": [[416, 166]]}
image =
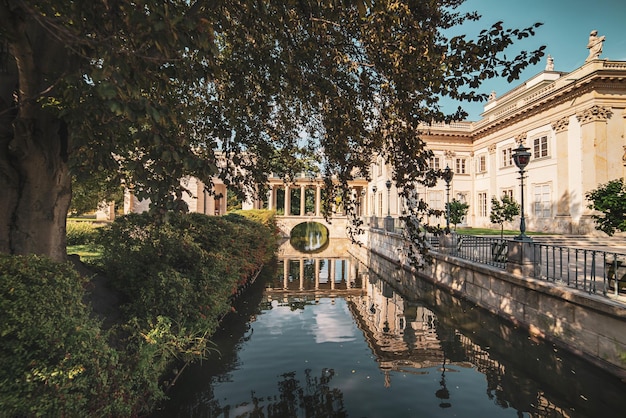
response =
{"points": [[185, 269], [54, 359], [610, 201], [81, 233]]}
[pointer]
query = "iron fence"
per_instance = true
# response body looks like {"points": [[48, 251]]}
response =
{"points": [[591, 270], [594, 271]]}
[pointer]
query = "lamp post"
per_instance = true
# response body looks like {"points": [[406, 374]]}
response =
{"points": [[388, 219], [374, 200], [521, 157], [362, 202], [447, 177], [388, 184]]}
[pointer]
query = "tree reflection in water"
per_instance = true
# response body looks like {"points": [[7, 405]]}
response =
{"points": [[315, 399]]}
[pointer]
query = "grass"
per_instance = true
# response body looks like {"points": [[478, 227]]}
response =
{"points": [[85, 251]]}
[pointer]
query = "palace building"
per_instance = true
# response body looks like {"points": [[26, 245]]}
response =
{"points": [[574, 125]]}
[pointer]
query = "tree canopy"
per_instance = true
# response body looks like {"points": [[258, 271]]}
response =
{"points": [[609, 200], [145, 92], [503, 210]]}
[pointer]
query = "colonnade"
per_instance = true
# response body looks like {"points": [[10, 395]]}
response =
{"points": [[346, 272], [303, 186]]}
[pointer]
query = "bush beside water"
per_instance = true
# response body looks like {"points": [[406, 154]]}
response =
{"points": [[176, 280]]}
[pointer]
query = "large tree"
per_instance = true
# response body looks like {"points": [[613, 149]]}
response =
{"points": [[148, 91]]}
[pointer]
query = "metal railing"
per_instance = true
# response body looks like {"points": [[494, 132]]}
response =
{"points": [[479, 249], [590, 270]]}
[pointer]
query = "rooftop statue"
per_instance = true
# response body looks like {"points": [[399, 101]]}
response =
{"points": [[550, 63], [594, 45]]}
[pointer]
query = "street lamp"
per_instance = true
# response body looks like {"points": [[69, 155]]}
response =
{"points": [[374, 200], [521, 157], [447, 177], [362, 202], [388, 219], [388, 184]]}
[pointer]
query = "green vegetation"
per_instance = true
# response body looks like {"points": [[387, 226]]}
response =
{"points": [[458, 210], [82, 239], [54, 357], [503, 210], [175, 281], [81, 232], [144, 94], [610, 200]]}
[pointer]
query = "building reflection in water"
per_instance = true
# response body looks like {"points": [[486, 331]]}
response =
{"points": [[405, 336]]}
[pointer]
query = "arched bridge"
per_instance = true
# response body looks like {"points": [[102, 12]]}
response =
{"points": [[336, 229]]}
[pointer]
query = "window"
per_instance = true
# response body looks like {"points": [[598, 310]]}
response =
{"points": [[507, 157], [481, 164], [542, 204], [380, 166], [434, 163], [507, 192], [459, 166], [540, 147], [482, 204], [435, 199]]}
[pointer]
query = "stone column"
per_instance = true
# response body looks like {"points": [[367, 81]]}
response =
{"points": [[285, 273], [624, 144], [301, 274], [331, 272], [287, 200], [562, 175], [318, 198], [317, 273], [270, 199], [302, 199], [593, 127], [492, 167]]}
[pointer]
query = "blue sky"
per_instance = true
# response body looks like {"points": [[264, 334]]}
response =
{"points": [[565, 31]]}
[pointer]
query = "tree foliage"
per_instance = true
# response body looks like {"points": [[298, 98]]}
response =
{"points": [[458, 210], [609, 200], [503, 210], [151, 90]]}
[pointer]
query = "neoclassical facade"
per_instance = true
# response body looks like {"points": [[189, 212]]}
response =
{"points": [[574, 125]]}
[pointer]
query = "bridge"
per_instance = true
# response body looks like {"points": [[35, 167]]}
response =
{"points": [[300, 200], [336, 229]]}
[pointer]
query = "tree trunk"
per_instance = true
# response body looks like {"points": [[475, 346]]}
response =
{"points": [[35, 176], [35, 186]]}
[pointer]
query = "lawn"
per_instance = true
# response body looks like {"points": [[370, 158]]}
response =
{"points": [[85, 251]]}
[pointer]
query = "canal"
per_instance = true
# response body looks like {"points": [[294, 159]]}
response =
{"points": [[321, 335]]}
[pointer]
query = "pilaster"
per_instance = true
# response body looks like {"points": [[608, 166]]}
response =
{"points": [[562, 177]]}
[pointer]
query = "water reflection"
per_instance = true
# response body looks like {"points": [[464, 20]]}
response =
{"points": [[326, 336], [309, 237]]}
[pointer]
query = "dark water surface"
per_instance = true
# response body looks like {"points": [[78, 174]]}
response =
{"points": [[326, 338]]}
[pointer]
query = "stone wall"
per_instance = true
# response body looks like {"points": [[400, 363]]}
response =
{"points": [[591, 326]]}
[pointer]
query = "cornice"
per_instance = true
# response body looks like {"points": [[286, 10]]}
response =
{"points": [[612, 75]]}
